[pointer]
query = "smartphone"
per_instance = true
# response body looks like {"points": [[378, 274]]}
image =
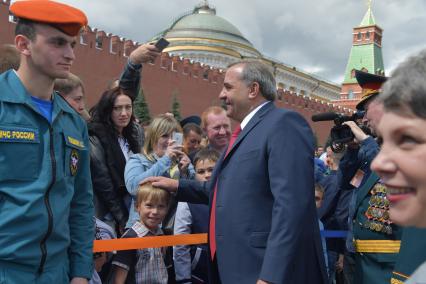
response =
{"points": [[178, 138], [161, 44]]}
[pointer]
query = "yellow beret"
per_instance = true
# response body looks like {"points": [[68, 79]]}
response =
{"points": [[68, 19], [367, 95]]}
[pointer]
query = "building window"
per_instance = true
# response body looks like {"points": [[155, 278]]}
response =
{"points": [[112, 47], [359, 36], [174, 66], [367, 35], [353, 73], [350, 94], [83, 38]]}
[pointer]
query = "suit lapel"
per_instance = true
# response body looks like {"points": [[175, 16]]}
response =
{"points": [[252, 123], [223, 159]]}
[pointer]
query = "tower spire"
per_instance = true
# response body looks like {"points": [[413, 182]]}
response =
{"points": [[366, 55], [368, 19]]}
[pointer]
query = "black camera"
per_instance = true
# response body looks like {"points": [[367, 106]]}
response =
{"points": [[341, 134]]}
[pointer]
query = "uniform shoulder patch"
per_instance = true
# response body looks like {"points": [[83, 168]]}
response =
{"points": [[75, 142], [18, 134]]}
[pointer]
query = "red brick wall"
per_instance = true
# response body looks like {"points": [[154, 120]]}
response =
{"points": [[7, 30], [196, 86], [96, 67]]}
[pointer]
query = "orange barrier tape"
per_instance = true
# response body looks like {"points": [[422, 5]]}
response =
{"points": [[148, 242]]}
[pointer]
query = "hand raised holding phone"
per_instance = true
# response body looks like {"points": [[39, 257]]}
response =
{"points": [[178, 138], [161, 44], [174, 149], [144, 53]]}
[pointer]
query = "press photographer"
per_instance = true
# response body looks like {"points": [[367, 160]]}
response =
{"points": [[340, 133]]}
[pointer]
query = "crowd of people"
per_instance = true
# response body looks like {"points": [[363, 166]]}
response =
{"points": [[275, 210]]}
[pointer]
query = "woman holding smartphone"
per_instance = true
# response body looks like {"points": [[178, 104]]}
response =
{"points": [[401, 162], [161, 156]]}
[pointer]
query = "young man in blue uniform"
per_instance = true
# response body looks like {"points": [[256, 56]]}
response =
{"points": [[46, 202]]}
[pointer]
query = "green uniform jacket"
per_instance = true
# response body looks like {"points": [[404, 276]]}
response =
{"points": [[411, 255], [46, 202], [371, 267]]}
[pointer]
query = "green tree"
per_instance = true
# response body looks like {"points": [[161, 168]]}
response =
{"points": [[176, 106], [141, 108]]}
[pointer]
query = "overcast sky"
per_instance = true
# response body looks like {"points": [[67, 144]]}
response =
{"points": [[313, 35]]}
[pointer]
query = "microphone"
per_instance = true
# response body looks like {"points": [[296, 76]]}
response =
{"points": [[325, 116]]}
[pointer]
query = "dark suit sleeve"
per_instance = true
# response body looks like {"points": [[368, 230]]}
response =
{"points": [[294, 226], [193, 191]]}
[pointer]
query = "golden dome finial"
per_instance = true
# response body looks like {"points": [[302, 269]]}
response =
{"points": [[368, 4]]}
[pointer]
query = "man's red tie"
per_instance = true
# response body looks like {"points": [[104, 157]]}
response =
{"points": [[212, 226]]}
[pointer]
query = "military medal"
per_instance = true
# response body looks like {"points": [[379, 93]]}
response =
{"points": [[378, 212]]}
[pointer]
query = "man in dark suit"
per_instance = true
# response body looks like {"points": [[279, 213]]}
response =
{"points": [[263, 224]]}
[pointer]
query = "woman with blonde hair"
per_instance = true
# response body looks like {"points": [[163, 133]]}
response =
{"points": [[161, 156]]}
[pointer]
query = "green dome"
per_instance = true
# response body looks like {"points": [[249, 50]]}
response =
{"points": [[204, 23], [207, 22], [202, 36]]}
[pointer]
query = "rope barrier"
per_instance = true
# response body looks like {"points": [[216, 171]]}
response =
{"points": [[174, 240], [148, 242], [334, 234]]}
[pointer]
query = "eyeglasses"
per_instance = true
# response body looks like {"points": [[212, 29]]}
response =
{"points": [[119, 109]]}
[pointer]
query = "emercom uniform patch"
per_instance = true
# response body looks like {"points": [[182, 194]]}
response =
{"points": [[18, 134]]}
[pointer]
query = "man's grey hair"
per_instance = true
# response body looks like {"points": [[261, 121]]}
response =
{"points": [[405, 91], [255, 71]]}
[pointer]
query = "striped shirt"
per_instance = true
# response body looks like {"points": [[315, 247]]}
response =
{"points": [[144, 265]]}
